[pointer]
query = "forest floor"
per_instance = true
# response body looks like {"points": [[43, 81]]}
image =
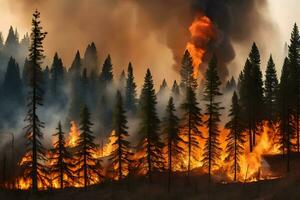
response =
{"points": [[286, 187]]}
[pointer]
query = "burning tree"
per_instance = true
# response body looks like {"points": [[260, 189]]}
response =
{"points": [[235, 139], [120, 156], [171, 130], [187, 72], [88, 167], [35, 150], [212, 148], [62, 159], [191, 121], [150, 144]]}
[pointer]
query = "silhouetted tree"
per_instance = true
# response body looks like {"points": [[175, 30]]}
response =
{"points": [[294, 61], [34, 134], [130, 96], [150, 143], [89, 168], [271, 90], [90, 59], [120, 156], [212, 148], [191, 122], [187, 72], [175, 90], [235, 138], [107, 72], [173, 140], [62, 159], [286, 122], [57, 78]]}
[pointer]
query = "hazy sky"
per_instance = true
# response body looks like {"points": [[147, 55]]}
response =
{"points": [[284, 14]]}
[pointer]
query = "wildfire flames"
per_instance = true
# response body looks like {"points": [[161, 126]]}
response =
{"points": [[202, 32], [253, 165]]}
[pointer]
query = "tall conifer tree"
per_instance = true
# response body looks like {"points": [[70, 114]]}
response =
{"points": [[121, 156], [212, 148], [35, 150], [150, 142], [235, 138]]}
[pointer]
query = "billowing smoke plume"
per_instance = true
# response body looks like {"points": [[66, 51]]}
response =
{"points": [[148, 33]]}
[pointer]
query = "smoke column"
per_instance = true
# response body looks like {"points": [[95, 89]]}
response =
{"points": [[148, 33]]}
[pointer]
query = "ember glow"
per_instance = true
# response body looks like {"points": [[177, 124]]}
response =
{"points": [[202, 32]]}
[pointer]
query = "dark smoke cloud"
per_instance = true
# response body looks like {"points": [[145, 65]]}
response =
{"points": [[147, 32]]}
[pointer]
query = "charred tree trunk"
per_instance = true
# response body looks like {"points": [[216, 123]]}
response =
{"points": [[170, 163]]}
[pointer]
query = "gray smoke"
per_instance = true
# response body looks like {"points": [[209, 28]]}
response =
{"points": [[148, 33]]}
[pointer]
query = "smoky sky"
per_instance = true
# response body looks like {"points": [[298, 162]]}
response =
{"points": [[148, 33]]}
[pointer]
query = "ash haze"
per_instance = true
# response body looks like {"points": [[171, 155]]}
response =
{"points": [[119, 28]]}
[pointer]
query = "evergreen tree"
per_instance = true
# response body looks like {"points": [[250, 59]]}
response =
{"points": [[120, 156], [163, 88], [130, 96], [76, 67], [212, 146], [76, 86], [285, 103], [89, 168], [1, 41], [122, 83], [12, 41], [173, 140], [90, 59], [235, 139], [175, 90], [12, 84], [57, 76], [62, 160], [107, 72], [294, 60], [271, 89], [150, 143], [12, 99], [257, 91], [191, 122], [187, 72], [34, 134]]}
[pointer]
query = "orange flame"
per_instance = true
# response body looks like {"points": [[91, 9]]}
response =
{"points": [[202, 32]]}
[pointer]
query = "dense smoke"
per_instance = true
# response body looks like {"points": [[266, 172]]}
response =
{"points": [[148, 33]]}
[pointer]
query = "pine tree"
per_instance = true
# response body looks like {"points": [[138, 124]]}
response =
{"points": [[173, 140], [286, 123], [257, 91], [57, 76], [12, 84], [271, 89], [212, 146], [150, 144], [130, 96], [191, 122], [107, 72], [90, 59], [187, 72], [89, 168], [294, 57], [175, 90], [120, 156], [76, 67], [235, 139], [62, 160], [122, 83], [34, 134]]}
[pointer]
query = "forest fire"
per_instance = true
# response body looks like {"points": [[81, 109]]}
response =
{"points": [[202, 32], [253, 167]]}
